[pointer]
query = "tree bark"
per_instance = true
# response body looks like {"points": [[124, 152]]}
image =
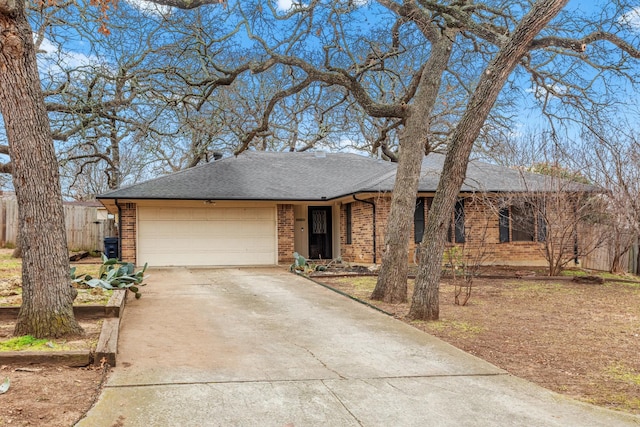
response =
{"points": [[17, 251], [391, 286], [425, 301], [47, 307], [114, 171]]}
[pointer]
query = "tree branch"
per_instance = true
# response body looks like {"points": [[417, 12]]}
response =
{"points": [[580, 45], [189, 4]]}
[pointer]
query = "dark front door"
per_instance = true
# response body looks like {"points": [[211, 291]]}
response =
{"points": [[320, 232]]}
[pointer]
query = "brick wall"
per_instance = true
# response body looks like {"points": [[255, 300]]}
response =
{"points": [[286, 222], [128, 232], [481, 230], [361, 247]]}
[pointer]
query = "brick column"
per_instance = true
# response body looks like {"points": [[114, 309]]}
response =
{"points": [[286, 222], [128, 232]]}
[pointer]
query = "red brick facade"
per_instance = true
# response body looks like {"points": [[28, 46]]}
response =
{"points": [[286, 240], [361, 247], [481, 232], [128, 232]]}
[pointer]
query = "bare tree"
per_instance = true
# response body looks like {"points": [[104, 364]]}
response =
{"points": [[568, 214], [518, 45], [48, 296], [47, 308], [562, 216], [611, 158], [464, 257], [426, 72], [438, 46], [96, 98]]}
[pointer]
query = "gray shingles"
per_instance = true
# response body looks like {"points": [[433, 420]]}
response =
{"points": [[487, 177], [312, 177], [263, 176]]}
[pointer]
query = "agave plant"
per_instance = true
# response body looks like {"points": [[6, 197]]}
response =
{"points": [[113, 274]]}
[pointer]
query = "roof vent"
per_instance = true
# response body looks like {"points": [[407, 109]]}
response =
{"points": [[217, 155], [320, 154]]}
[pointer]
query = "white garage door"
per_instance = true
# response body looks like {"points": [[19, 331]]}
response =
{"points": [[207, 236]]}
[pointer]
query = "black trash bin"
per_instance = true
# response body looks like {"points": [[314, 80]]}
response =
{"points": [[111, 247]]}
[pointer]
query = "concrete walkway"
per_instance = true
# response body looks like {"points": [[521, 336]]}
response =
{"points": [[261, 347]]}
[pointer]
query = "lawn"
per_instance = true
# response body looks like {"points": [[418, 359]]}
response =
{"points": [[576, 339], [10, 282]]}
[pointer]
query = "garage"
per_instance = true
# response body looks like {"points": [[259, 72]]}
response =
{"points": [[207, 236]]}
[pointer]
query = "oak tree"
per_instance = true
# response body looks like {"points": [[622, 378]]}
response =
{"points": [[47, 307]]}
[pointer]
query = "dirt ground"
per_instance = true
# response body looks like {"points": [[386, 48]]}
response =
{"points": [[580, 340], [41, 395], [48, 395]]}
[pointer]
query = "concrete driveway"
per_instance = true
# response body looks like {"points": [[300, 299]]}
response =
{"points": [[262, 347]]}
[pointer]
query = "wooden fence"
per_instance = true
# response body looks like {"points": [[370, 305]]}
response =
{"points": [[602, 257], [84, 230]]}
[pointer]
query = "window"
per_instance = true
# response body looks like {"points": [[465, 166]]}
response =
{"points": [[521, 223], [456, 228], [458, 223], [348, 217], [418, 221]]}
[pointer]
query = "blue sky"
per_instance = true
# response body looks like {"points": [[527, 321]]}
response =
{"points": [[75, 54]]}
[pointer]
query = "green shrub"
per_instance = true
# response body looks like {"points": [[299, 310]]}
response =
{"points": [[113, 274]]}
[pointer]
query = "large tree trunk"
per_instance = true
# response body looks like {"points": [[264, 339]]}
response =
{"points": [[391, 286], [47, 307], [425, 302]]}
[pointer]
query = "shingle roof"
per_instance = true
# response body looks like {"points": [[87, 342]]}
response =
{"points": [[315, 176], [487, 177], [263, 176]]}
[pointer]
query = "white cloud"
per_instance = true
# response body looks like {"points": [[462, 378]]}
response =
{"points": [[147, 7], [554, 90], [284, 4], [54, 59], [631, 19]]}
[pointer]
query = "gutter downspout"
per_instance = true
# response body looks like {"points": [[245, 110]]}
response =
{"points": [[119, 231], [373, 206]]}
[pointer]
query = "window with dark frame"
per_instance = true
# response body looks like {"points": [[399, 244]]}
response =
{"points": [[456, 232], [521, 223], [348, 217], [504, 225], [458, 221], [418, 220]]}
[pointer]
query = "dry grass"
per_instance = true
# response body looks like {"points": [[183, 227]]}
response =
{"points": [[10, 282], [576, 339]]}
